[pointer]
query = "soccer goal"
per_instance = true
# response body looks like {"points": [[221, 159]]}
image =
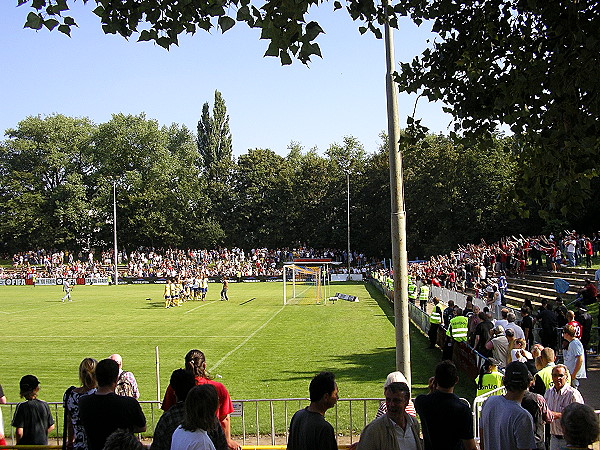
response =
{"points": [[304, 284]]}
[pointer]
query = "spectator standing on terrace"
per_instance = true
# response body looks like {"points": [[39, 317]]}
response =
{"points": [[571, 321], [527, 326], [447, 421], [505, 424], [457, 332], [103, 412], [585, 320], [76, 438], [519, 333], [558, 398], [574, 356], [483, 333], [448, 313], [570, 245], [126, 384], [536, 405], [32, 419], [308, 428], [396, 429], [498, 344], [195, 363], [182, 381], [549, 322]]}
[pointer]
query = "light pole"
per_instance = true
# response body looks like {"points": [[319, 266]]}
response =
{"points": [[116, 258], [348, 211], [398, 213]]}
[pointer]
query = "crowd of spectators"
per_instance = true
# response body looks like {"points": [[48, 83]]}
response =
{"points": [[173, 263]]}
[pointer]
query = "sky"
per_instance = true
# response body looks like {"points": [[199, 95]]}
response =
{"points": [[95, 75]]}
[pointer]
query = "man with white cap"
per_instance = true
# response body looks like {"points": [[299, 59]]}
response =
{"points": [[395, 377], [126, 383]]}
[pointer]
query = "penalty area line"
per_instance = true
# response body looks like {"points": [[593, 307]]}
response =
{"points": [[194, 309], [241, 344]]}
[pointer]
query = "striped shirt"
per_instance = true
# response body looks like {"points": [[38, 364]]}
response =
{"points": [[558, 400]]}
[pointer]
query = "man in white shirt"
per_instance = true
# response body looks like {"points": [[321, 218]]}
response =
{"points": [[574, 355]]}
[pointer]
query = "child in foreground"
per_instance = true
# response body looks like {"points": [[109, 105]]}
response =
{"points": [[32, 420]]}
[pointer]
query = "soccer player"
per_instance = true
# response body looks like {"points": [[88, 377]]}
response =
{"points": [[67, 290]]}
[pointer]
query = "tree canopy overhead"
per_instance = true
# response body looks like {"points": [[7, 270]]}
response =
{"points": [[283, 24]]}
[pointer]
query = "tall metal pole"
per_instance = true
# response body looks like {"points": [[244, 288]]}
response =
{"points": [[348, 190], [116, 258], [398, 214]]}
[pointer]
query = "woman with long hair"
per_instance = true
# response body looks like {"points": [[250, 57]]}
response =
{"points": [[195, 363], [201, 406], [75, 434]]}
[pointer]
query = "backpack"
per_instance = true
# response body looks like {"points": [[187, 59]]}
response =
{"points": [[124, 386]]}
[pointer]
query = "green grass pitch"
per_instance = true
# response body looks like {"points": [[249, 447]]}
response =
{"points": [[258, 347]]}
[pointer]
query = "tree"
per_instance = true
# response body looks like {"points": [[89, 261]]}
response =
{"points": [[282, 23], [45, 163], [530, 65], [216, 162]]}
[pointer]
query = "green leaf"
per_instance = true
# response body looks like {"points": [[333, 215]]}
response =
{"points": [[362, 30], [65, 29], [99, 11], [69, 21], [273, 50], [313, 29], [337, 5], [226, 23], [51, 24], [34, 21], [286, 60]]}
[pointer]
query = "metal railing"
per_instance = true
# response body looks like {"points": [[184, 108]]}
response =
{"points": [[258, 421]]}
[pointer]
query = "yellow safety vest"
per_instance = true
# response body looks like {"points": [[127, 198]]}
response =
{"points": [[412, 291], [436, 315], [424, 294], [458, 329], [490, 382]]}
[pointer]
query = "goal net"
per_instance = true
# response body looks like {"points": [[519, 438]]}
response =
{"points": [[303, 284]]}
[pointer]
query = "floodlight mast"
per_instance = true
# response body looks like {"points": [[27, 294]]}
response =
{"points": [[398, 213], [116, 258]]}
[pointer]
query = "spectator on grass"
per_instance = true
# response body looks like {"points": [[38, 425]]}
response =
{"points": [[181, 381], [498, 344], [195, 363], [104, 412], [76, 437], [396, 429], [32, 419], [126, 384], [308, 427], [201, 406]]}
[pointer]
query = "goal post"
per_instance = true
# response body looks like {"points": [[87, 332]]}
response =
{"points": [[304, 283]]}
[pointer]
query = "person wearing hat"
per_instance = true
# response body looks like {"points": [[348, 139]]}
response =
{"points": [[498, 344], [395, 377], [504, 424], [396, 429], [33, 419]]}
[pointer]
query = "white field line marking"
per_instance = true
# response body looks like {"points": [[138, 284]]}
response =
{"points": [[194, 309], [96, 337], [241, 344]]}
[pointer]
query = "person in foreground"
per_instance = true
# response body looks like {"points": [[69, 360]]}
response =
{"points": [[308, 428], [103, 412], [505, 424], [396, 429], [447, 421], [580, 425], [201, 406], [32, 420], [558, 398]]}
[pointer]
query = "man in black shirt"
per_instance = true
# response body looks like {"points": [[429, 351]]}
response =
{"points": [[308, 428], [447, 422], [104, 412]]}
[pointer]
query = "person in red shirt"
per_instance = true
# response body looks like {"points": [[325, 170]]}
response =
{"points": [[195, 363], [571, 321]]}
